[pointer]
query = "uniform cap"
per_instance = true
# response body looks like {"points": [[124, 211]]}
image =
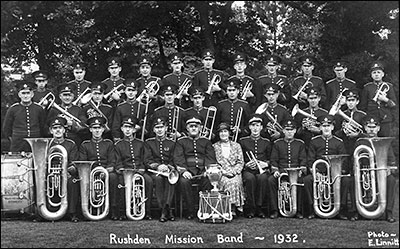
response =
{"points": [[271, 88], [131, 83], [196, 91], [66, 88], [340, 65], [273, 60], [25, 85], [232, 83], [114, 61], [160, 121], [130, 120], [175, 58], [239, 57], [352, 94], [306, 61], [208, 53], [145, 60], [40, 74], [168, 89], [313, 91], [371, 120], [101, 121], [289, 124], [325, 119], [255, 118], [58, 121], [194, 120], [79, 65], [98, 86], [377, 65]]}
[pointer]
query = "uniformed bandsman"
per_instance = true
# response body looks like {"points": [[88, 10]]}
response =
{"points": [[306, 81], [191, 156], [337, 86], [80, 83], [386, 101], [112, 82], [128, 155], [25, 119], [208, 75], [41, 80], [254, 181], [158, 155], [273, 64]]}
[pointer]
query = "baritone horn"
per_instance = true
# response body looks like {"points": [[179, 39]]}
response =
{"points": [[326, 185], [209, 123], [135, 198], [152, 88], [273, 126], [50, 177], [370, 179], [311, 120], [94, 185], [287, 192], [382, 90]]}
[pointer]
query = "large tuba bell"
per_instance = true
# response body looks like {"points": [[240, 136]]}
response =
{"points": [[370, 179], [94, 190], [287, 192], [51, 186], [135, 198], [326, 196]]}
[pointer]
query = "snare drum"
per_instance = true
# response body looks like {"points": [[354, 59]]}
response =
{"points": [[17, 189], [214, 207]]}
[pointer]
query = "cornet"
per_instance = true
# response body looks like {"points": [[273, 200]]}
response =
{"points": [[184, 88], [83, 98], [118, 88], [382, 90], [246, 89], [209, 123], [172, 175], [302, 89], [253, 158], [216, 79], [338, 102]]}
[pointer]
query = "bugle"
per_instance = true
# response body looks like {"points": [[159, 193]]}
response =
{"points": [[135, 198], [370, 179], [94, 185], [184, 88], [326, 185], [209, 122], [302, 89], [382, 90], [172, 175], [215, 80], [50, 177], [287, 192]]}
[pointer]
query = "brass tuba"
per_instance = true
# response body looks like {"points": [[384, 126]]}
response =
{"points": [[287, 192], [371, 180], [94, 190], [51, 186], [135, 198], [324, 192]]}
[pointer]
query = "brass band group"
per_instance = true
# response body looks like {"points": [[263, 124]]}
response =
{"points": [[267, 146]]}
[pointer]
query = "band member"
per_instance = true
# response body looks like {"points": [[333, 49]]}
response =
{"points": [[130, 107], [96, 108], [57, 128], [336, 86], [112, 82], [128, 155], [41, 79], [309, 127], [324, 144], [287, 152], [99, 150], [256, 170], [145, 67], [191, 155], [80, 84], [158, 155], [74, 126], [371, 126], [210, 79], [232, 110], [178, 78], [272, 112], [240, 66], [170, 110], [273, 64], [307, 80], [25, 119], [230, 156], [378, 98]]}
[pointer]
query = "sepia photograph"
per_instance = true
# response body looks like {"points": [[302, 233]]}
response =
{"points": [[199, 124]]}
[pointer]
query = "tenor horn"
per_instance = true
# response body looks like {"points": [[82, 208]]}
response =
{"points": [[326, 185], [287, 192], [370, 179], [94, 190], [135, 200], [50, 178]]}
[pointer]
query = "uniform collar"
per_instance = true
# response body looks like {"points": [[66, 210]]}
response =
{"points": [[26, 104], [115, 78], [161, 139], [288, 141], [59, 141], [255, 138], [327, 138], [129, 139], [97, 140], [272, 75]]}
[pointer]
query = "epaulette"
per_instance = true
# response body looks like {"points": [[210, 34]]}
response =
{"points": [[222, 101], [158, 108], [108, 140], [297, 139], [150, 139], [263, 76], [86, 141], [369, 83], [118, 141], [315, 137], [107, 105], [265, 139], [165, 76], [181, 138], [123, 102], [242, 138], [362, 112], [282, 106], [17, 104], [317, 77], [352, 81], [338, 138], [188, 109], [106, 80], [279, 139], [330, 81], [188, 75], [281, 75], [299, 77], [323, 109], [70, 140], [243, 101], [198, 71]]}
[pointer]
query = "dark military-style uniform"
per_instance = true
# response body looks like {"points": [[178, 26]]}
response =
{"points": [[305, 134], [169, 113], [242, 80], [143, 82], [286, 154], [334, 87], [316, 81], [80, 86], [203, 78], [124, 109], [281, 80], [255, 184], [279, 112], [177, 80]]}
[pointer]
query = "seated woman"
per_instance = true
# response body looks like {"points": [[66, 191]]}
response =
{"points": [[230, 156]]}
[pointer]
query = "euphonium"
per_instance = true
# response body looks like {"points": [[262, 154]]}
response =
{"points": [[287, 192], [324, 206], [209, 123], [94, 190], [383, 89], [51, 187], [371, 180], [135, 198], [172, 175]]}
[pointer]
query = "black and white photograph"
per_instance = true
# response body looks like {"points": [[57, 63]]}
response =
{"points": [[199, 124]]}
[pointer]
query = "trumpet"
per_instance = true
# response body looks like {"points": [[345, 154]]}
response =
{"points": [[280, 83], [209, 123], [287, 192], [302, 89], [246, 89], [382, 90], [152, 88], [216, 79], [184, 88], [83, 98], [108, 96], [253, 158], [172, 175]]}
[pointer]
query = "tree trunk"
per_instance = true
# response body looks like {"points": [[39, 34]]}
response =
{"points": [[203, 9]]}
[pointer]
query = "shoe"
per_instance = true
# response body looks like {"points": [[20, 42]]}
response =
{"points": [[233, 212], [343, 217], [354, 217], [190, 217], [299, 216], [311, 216], [261, 215], [274, 215], [148, 217], [390, 217], [122, 217], [250, 215], [38, 219], [163, 217], [74, 218], [171, 215]]}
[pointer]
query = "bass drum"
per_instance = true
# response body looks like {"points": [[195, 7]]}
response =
{"points": [[17, 189]]}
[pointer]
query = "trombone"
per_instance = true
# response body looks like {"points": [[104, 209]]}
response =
{"points": [[246, 89], [237, 124], [175, 123], [184, 88], [108, 96], [209, 122], [302, 89], [216, 79]]}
